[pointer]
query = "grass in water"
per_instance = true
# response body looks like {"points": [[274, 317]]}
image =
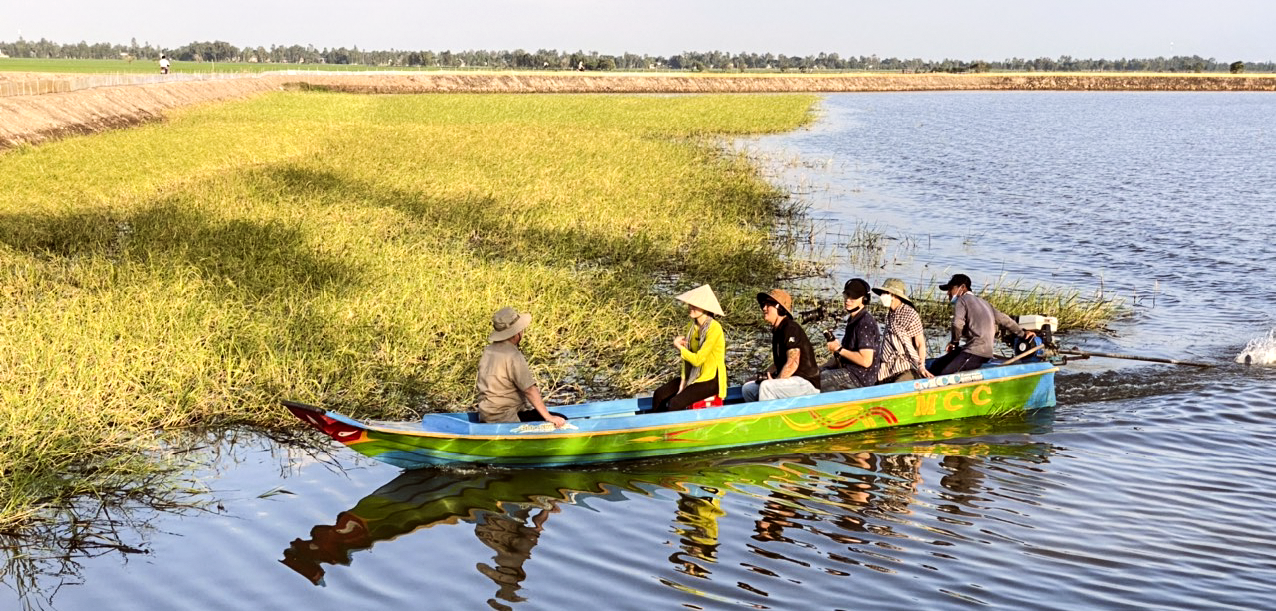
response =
{"points": [[349, 251], [1074, 311]]}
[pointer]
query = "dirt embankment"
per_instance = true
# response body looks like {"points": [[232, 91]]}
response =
{"points": [[35, 118], [664, 83]]}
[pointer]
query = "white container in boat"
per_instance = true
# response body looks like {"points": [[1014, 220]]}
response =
{"points": [[1035, 322]]}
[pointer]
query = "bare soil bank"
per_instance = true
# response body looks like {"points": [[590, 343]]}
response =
{"points": [[715, 83], [32, 119]]}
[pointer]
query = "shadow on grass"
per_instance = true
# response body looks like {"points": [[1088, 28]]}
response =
{"points": [[493, 232], [238, 258], [484, 228], [250, 260]]}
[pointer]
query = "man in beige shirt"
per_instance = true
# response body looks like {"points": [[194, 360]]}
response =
{"points": [[507, 391]]}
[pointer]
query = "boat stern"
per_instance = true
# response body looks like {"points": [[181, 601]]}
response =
{"points": [[319, 419]]}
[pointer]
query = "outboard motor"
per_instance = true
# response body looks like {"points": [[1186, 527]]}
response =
{"points": [[1043, 327]]}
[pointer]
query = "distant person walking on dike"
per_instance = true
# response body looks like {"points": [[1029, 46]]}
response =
{"points": [[163, 64]]}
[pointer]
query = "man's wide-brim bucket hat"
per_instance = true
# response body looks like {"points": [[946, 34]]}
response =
{"points": [[896, 287], [779, 297], [507, 323]]}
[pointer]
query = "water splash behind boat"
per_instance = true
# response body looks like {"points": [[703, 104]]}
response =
{"points": [[1260, 350]]}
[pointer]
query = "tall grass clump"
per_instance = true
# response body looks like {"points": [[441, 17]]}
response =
{"points": [[349, 251], [1075, 311]]}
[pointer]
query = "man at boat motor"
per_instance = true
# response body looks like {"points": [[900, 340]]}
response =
{"points": [[976, 321], [793, 372], [903, 336], [507, 391], [703, 368], [853, 361]]}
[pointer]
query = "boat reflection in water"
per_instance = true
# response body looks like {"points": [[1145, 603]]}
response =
{"points": [[831, 487]]}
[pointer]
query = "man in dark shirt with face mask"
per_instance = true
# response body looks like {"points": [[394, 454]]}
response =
{"points": [[854, 359]]}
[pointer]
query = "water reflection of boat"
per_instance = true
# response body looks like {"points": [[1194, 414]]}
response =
{"points": [[423, 498], [509, 507], [619, 430]]}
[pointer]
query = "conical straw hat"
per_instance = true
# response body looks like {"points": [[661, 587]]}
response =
{"points": [[702, 297]]}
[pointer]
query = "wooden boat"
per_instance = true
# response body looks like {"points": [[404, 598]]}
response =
{"points": [[622, 429]]}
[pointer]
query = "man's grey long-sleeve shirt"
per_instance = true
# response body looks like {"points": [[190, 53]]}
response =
{"points": [[977, 321]]}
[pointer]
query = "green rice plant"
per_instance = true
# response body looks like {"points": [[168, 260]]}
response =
{"points": [[349, 251]]}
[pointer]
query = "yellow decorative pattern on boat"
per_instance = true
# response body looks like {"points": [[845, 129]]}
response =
{"points": [[840, 418]]}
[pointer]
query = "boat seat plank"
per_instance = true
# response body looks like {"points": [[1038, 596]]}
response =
{"points": [[453, 423]]}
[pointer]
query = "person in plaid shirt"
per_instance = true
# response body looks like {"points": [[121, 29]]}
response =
{"points": [[903, 338]]}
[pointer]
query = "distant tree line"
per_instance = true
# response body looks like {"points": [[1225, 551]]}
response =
{"points": [[550, 59]]}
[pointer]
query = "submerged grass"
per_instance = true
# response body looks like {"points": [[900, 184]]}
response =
{"points": [[349, 251]]}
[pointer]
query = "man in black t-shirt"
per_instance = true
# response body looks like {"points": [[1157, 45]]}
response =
{"points": [[794, 372], [854, 360]]}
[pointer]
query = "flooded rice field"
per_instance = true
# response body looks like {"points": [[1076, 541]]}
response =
{"points": [[1145, 488]]}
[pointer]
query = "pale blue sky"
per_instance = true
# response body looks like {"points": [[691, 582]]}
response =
{"points": [[1225, 30]]}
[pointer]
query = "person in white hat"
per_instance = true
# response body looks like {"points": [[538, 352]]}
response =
{"points": [[507, 391], [704, 355]]}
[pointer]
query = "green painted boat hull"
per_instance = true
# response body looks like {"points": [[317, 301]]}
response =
{"points": [[620, 430]]}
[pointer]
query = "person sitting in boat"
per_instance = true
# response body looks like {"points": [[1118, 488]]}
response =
{"points": [[903, 337], [507, 391], [976, 321], [852, 363], [704, 355], [794, 372]]}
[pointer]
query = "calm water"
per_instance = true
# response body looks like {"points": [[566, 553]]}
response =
{"points": [[1148, 487]]}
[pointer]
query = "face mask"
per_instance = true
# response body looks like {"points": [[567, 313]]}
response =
{"points": [[953, 300], [886, 300]]}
